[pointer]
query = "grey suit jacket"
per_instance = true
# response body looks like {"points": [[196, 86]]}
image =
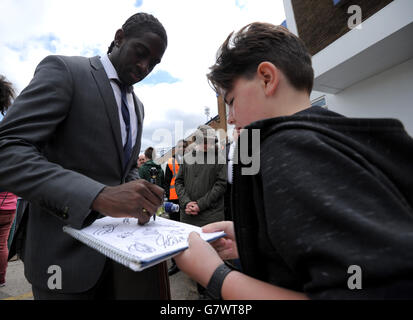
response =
{"points": [[60, 144]]}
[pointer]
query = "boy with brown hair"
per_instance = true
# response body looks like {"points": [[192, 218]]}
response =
{"points": [[333, 194]]}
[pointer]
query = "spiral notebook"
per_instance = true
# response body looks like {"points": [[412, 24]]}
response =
{"points": [[135, 246]]}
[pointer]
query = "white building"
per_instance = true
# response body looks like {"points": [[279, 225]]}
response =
{"points": [[367, 71]]}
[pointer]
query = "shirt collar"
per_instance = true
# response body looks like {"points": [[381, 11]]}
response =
{"points": [[111, 71], [109, 68]]}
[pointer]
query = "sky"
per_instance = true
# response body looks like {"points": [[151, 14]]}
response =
{"points": [[176, 93]]}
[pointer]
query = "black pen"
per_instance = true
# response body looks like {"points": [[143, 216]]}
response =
{"points": [[154, 173]]}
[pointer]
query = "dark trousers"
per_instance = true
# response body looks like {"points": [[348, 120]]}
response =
{"points": [[118, 283]]}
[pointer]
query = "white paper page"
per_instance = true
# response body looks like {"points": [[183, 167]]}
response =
{"points": [[154, 239]]}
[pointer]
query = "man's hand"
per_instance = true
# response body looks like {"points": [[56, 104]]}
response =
{"points": [[195, 207], [129, 200], [192, 208]]}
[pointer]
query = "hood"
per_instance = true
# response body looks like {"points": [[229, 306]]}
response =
{"points": [[382, 146]]}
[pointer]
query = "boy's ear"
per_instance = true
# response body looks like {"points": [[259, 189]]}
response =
{"points": [[269, 75]]}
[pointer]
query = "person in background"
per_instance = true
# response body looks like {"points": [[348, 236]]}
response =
{"points": [[326, 212], [141, 160], [8, 200], [171, 171], [69, 148], [201, 183], [146, 171]]}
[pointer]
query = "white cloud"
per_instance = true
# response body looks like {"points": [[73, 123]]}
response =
{"points": [[195, 31]]}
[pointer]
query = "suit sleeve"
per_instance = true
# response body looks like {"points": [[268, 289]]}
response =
{"points": [[25, 132]]}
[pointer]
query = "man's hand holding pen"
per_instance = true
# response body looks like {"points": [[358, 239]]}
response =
{"points": [[129, 200], [154, 173]]}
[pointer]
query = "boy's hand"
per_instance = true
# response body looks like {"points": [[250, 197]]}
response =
{"points": [[227, 246], [199, 261]]}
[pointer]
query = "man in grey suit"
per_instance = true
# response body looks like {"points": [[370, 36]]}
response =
{"points": [[69, 146]]}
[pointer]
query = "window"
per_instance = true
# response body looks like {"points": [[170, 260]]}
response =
{"points": [[319, 102]]}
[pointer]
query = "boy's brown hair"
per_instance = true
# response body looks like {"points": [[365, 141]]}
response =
{"points": [[242, 52]]}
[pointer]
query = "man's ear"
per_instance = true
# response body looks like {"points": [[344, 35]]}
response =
{"points": [[269, 75], [119, 37]]}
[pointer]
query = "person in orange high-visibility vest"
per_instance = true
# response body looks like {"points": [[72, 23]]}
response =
{"points": [[171, 171], [173, 166]]}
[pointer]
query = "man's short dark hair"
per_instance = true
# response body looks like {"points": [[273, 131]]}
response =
{"points": [[243, 51], [141, 23], [6, 94]]}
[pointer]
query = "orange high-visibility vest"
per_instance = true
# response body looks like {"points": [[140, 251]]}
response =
{"points": [[174, 167]]}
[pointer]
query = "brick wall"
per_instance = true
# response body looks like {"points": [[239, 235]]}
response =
{"points": [[320, 22]]}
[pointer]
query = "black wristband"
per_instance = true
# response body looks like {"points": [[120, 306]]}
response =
{"points": [[215, 283]]}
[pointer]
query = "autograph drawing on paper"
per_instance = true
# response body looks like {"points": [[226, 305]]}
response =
{"points": [[160, 235]]}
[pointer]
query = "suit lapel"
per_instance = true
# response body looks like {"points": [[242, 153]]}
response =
{"points": [[139, 116], [139, 110], [108, 97]]}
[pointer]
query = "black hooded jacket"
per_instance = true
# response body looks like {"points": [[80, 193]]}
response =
{"points": [[331, 192]]}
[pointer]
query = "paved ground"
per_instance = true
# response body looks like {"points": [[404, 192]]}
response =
{"points": [[17, 287]]}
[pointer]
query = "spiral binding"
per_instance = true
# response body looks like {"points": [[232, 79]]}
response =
{"points": [[113, 253]]}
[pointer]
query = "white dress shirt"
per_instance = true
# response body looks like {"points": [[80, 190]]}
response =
{"points": [[112, 74]]}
